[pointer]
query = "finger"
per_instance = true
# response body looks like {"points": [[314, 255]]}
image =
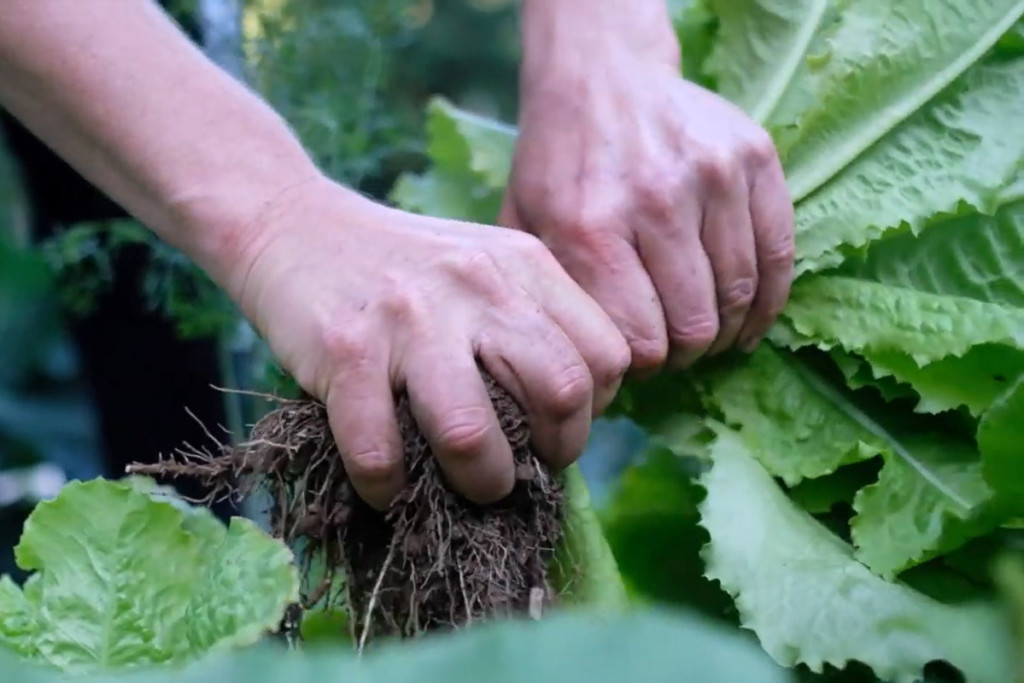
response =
{"points": [[612, 277], [361, 410], [508, 216], [588, 327], [728, 241], [679, 267], [450, 403], [540, 367], [771, 210]]}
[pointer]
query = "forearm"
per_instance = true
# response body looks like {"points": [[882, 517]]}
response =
{"points": [[125, 98], [562, 32]]}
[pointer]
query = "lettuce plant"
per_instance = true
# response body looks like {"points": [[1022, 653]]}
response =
{"points": [[902, 348]]}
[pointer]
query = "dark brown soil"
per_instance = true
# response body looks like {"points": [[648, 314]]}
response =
{"points": [[432, 561]]}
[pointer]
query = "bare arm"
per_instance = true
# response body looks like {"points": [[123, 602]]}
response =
{"points": [[356, 300], [119, 92]]}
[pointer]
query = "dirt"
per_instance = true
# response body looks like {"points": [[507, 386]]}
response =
{"points": [[432, 561]]}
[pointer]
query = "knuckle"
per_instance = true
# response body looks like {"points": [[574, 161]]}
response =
{"points": [[477, 272], [615, 364], [738, 295], [371, 463], [404, 304], [760, 150], [656, 196], [580, 219], [464, 432], [717, 171], [696, 332], [343, 342], [532, 250], [780, 254], [648, 354], [571, 391]]}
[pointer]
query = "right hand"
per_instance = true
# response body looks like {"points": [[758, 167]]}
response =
{"points": [[358, 301]]}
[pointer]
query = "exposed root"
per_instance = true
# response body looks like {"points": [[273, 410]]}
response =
{"points": [[433, 561]]}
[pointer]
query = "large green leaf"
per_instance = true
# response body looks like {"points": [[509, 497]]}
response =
{"points": [[942, 311], [656, 501], [799, 425], [930, 497], [870, 67], [653, 647], [126, 576], [942, 157], [759, 47], [973, 380], [799, 588], [1001, 440], [972, 256], [871, 317], [584, 567]]}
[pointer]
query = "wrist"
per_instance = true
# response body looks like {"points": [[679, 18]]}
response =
{"points": [[566, 36], [225, 227]]}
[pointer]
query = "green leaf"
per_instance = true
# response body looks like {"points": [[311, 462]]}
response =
{"points": [[565, 648], [820, 496], [760, 44], [1010, 576], [462, 141], [798, 424], [944, 156], [446, 195], [124, 577], [972, 256], [930, 497], [799, 588], [942, 311], [871, 317], [652, 526], [584, 567], [859, 375], [472, 158], [973, 380], [695, 28], [1001, 440], [869, 68]]}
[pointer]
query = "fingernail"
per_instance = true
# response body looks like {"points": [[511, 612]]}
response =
{"points": [[750, 343]]}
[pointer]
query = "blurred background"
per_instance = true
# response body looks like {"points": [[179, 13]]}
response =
{"points": [[107, 335]]}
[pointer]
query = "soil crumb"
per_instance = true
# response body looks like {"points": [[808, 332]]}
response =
{"points": [[432, 561]]}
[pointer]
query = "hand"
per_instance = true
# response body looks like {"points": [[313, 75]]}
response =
{"points": [[358, 300], [663, 200]]}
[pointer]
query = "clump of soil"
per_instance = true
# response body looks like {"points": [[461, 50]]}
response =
{"points": [[432, 561]]}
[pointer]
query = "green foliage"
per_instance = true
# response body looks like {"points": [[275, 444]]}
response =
{"points": [[1001, 439], [83, 259], [809, 601], [584, 568], [328, 68], [1011, 579], [568, 648], [472, 158], [127, 575], [878, 432]]}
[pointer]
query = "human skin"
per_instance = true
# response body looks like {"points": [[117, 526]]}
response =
{"points": [[358, 300], [663, 200]]}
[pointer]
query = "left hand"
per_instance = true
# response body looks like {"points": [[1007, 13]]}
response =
{"points": [[663, 200]]}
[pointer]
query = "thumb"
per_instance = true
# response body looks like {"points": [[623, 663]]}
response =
{"points": [[508, 217]]}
